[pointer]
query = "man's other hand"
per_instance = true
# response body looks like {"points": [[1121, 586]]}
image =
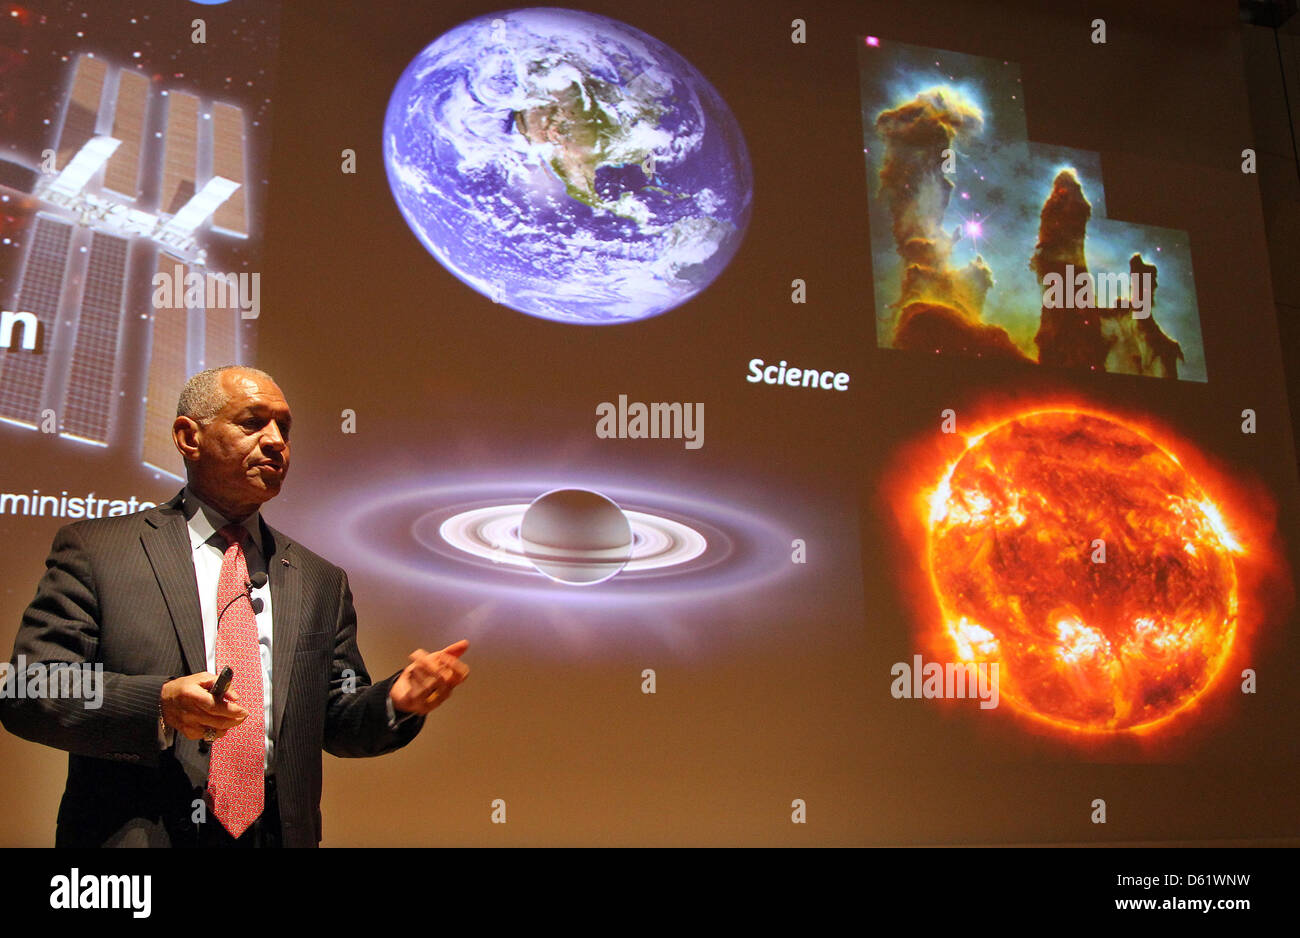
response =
{"points": [[429, 679]]}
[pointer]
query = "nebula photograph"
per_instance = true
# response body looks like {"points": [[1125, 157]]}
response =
{"points": [[971, 222]]}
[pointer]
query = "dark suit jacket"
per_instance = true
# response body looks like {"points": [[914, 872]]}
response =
{"points": [[122, 592]]}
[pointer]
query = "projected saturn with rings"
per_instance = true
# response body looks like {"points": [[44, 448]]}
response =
{"points": [[599, 540], [572, 536]]}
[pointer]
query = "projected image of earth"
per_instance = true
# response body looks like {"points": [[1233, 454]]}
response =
{"points": [[567, 166]]}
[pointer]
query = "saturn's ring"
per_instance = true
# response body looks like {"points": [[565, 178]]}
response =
{"points": [[492, 533]]}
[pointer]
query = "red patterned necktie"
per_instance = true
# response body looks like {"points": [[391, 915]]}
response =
{"points": [[235, 776]]}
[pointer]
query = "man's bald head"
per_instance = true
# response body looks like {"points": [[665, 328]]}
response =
{"points": [[205, 394]]}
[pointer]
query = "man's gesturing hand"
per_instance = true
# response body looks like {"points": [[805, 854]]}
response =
{"points": [[188, 707], [428, 680]]}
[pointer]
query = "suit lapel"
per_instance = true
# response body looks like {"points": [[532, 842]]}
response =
{"points": [[286, 611], [166, 542]]}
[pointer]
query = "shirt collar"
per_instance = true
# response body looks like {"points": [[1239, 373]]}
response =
{"points": [[204, 522]]}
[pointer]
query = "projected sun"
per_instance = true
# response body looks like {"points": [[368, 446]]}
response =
{"points": [[1088, 561]]}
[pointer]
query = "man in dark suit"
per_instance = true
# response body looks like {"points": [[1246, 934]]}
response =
{"points": [[166, 597]]}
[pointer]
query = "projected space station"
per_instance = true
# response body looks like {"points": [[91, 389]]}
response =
{"points": [[133, 204]]}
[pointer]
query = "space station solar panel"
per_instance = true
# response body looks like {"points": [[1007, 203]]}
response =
{"points": [[82, 113], [123, 173], [89, 405], [180, 159], [228, 162], [168, 370]]}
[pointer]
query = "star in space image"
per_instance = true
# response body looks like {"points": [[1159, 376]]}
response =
{"points": [[1106, 577], [568, 166], [974, 228]]}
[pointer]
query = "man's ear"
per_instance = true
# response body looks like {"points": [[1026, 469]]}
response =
{"points": [[185, 434]]}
